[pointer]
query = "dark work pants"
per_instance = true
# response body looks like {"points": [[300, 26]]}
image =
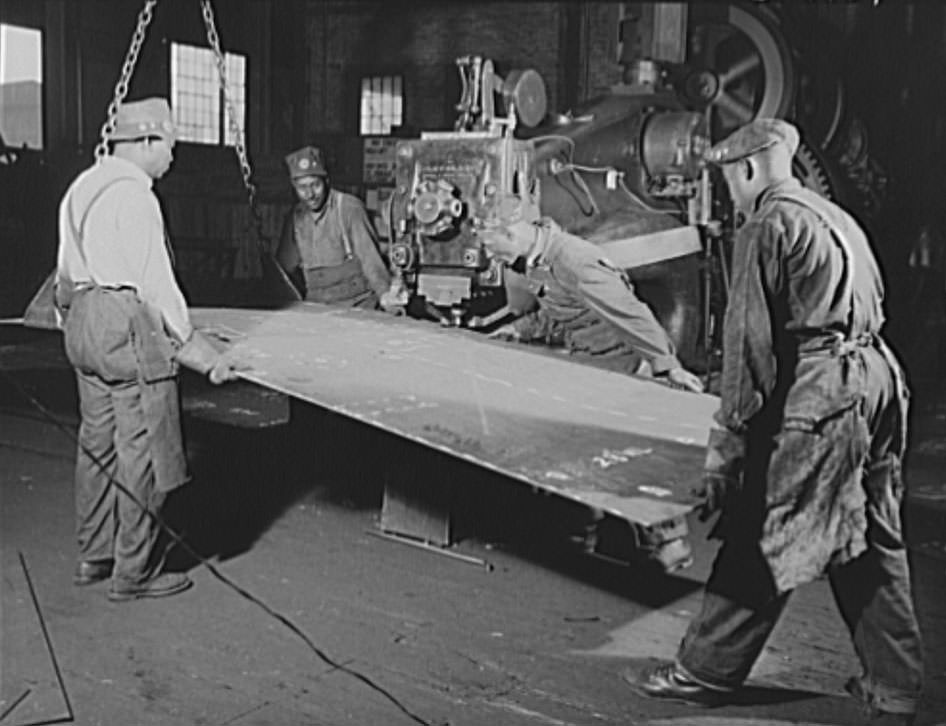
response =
{"points": [[740, 611], [109, 524], [873, 591]]}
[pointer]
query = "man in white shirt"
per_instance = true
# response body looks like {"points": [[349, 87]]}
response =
{"points": [[126, 328]]}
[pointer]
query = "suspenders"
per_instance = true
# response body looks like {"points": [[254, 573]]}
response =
{"points": [[843, 245], [78, 230]]}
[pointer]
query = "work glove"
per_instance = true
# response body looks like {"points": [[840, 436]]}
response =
{"points": [[722, 471], [715, 490], [200, 355], [682, 378], [507, 332], [225, 369], [394, 300]]}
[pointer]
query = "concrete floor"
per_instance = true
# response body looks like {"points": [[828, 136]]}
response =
{"points": [[396, 635]]}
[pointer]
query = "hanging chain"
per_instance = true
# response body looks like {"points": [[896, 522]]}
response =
{"points": [[128, 68], [214, 40]]}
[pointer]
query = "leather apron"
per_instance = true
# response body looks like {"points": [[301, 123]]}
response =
{"points": [[111, 334], [345, 283]]}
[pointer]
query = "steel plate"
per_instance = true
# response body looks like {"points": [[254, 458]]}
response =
{"points": [[629, 447]]}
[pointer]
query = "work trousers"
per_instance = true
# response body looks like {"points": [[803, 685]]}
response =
{"points": [[740, 611], [741, 604], [115, 444]]}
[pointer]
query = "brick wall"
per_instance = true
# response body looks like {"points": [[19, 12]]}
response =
{"points": [[599, 67], [421, 42]]}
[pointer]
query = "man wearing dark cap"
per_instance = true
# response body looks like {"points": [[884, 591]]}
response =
{"points": [[126, 329], [804, 463], [328, 246]]}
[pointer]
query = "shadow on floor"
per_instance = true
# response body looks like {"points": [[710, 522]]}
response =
{"points": [[246, 479]]}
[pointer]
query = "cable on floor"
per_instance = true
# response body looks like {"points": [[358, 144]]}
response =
{"points": [[240, 590]]}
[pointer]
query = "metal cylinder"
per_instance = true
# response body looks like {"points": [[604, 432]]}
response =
{"points": [[674, 143]]}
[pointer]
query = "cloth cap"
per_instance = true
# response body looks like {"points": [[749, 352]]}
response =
{"points": [[140, 119], [755, 136], [306, 161], [505, 208]]}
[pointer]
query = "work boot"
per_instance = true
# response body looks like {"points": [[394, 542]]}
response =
{"points": [[88, 572], [875, 715], [669, 682], [168, 583]]}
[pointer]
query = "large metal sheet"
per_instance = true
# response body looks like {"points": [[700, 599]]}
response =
{"points": [[646, 249], [630, 447]]}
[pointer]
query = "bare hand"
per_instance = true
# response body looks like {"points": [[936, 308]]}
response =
{"points": [[682, 378]]}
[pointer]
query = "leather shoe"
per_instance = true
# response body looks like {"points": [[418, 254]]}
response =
{"points": [[168, 583], [876, 716], [88, 572], [668, 682]]}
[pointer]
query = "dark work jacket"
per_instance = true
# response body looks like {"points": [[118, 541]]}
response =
{"points": [[805, 303]]}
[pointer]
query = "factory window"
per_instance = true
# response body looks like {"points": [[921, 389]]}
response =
{"points": [[21, 87], [200, 112], [382, 104]]}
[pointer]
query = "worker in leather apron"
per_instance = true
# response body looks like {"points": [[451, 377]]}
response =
{"points": [[804, 459], [126, 330], [328, 246]]}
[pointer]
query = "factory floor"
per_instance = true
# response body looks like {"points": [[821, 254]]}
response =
{"points": [[316, 620]]}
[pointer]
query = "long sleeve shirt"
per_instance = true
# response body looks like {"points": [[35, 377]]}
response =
{"points": [[112, 234], [319, 240], [582, 297]]}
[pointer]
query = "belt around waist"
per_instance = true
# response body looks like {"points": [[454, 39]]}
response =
{"points": [[87, 285], [836, 345]]}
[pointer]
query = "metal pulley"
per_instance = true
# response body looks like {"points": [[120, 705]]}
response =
{"points": [[525, 91], [739, 66]]}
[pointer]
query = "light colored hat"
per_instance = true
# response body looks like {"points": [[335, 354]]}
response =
{"points": [[755, 136], [507, 208], [306, 161], [140, 119]]}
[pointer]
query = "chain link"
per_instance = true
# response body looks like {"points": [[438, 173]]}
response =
{"points": [[239, 144], [128, 68]]}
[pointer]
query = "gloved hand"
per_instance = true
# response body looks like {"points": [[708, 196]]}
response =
{"points": [[714, 490], [200, 355], [505, 332], [682, 378], [392, 303], [722, 471], [394, 300], [225, 369]]}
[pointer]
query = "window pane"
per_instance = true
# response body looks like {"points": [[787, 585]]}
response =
{"points": [[21, 86], [196, 99], [381, 104]]}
